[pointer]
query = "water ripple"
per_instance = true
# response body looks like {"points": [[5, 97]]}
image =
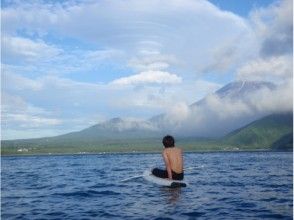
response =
{"points": [[88, 193]]}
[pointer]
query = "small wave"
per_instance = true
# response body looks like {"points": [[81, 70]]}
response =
{"points": [[275, 186], [56, 214], [283, 200], [120, 169], [246, 205], [268, 199], [23, 197], [88, 193], [194, 214], [76, 165], [239, 169], [227, 184], [107, 214], [273, 216], [224, 199], [102, 185], [163, 218]]}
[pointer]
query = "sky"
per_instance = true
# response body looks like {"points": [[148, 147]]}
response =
{"points": [[67, 65]]}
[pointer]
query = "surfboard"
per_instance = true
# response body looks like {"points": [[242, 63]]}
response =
{"points": [[147, 175]]}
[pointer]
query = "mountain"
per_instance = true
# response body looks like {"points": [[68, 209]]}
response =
{"points": [[241, 89], [285, 143], [116, 128], [116, 135], [218, 113], [274, 131]]}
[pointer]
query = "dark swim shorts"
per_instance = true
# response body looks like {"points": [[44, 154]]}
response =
{"points": [[163, 174]]}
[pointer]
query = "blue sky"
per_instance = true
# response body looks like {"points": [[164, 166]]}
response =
{"points": [[241, 7], [67, 65]]}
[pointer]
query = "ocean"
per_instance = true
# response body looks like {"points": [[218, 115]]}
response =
{"points": [[228, 185]]}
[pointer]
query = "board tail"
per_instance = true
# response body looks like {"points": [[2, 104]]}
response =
{"points": [[177, 184]]}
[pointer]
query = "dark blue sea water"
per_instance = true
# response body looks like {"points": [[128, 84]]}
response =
{"points": [[222, 186]]}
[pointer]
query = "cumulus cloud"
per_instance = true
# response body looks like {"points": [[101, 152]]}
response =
{"points": [[19, 49], [278, 100], [276, 68], [274, 26], [146, 77], [216, 116], [63, 110], [18, 113], [176, 114], [268, 37], [151, 60], [18, 82]]}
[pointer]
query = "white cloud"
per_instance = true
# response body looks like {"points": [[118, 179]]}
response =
{"points": [[178, 112], [38, 57], [18, 82], [279, 100], [11, 134], [21, 49], [274, 28], [17, 112], [160, 98], [26, 120], [201, 88], [276, 68], [68, 100], [268, 37], [150, 62], [177, 28], [217, 116], [158, 77]]}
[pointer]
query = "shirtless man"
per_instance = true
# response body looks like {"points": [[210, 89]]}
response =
{"points": [[173, 159]]}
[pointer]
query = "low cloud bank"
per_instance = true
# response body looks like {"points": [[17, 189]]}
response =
{"points": [[217, 116]]}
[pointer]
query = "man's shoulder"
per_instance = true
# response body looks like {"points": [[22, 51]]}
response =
{"points": [[172, 150]]}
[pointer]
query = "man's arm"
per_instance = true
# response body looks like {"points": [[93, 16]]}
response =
{"points": [[167, 164]]}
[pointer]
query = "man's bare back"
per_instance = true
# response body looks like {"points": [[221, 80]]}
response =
{"points": [[173, 159]]}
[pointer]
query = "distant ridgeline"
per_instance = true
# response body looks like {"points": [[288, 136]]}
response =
{"points": [[273, 132]]}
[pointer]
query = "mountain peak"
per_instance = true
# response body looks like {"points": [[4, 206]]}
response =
{"points": [[238, 89]]}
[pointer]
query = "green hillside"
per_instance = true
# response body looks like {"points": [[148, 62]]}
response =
{"points": [[271, 132], [39, 146]]}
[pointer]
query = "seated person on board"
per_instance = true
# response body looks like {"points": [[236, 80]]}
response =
{"points": [[173, 159]]}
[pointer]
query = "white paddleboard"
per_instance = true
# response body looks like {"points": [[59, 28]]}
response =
{"points": [[147, 175]]}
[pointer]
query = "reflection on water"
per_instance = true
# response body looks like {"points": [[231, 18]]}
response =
{"points": [[172, 194]]}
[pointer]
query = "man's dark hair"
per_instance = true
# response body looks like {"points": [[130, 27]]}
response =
{"points": [[168, 141]]}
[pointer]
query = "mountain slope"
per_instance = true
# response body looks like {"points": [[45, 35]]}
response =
{"points": [[116, 128], [114, 135], [218, 113], [269, 132]]}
